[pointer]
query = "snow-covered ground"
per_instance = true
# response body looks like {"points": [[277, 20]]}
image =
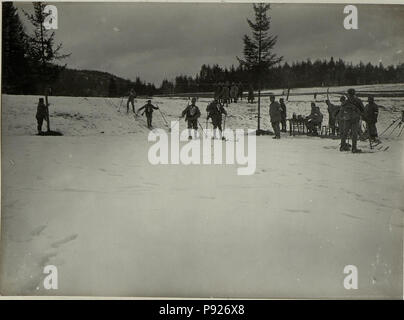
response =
{"points": [[91, 204]]}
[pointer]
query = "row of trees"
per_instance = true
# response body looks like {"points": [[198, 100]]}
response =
{"points": [[327, 72]]}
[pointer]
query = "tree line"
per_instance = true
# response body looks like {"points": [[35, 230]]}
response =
{"points": [[326, 73]]}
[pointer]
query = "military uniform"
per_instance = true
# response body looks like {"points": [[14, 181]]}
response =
{"points": [[283, 116], [215, 111], [333, 111], [275, 112], [314, 119], [370, 115], [131, 100], [350, 114], [148, 109], [42, 113], [192, 113]]}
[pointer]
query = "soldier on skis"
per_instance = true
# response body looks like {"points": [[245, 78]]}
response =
{"points": [[250, 98], [332, 116], [275, 113], [283, 114], [215, 111], [226, 93], [370, 116], [240, 91], [191, 113], [350, 114], [233, 93], [148, 109], [131, 100], [42, 113]]}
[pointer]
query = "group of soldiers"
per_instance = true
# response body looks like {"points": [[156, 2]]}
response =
{"points": [[227, 93], [348, 117], [344, 119]]}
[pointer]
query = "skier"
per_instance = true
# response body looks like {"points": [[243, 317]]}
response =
{"points": [[240, 91], [215, 111], [275, 113], [131, 100], [226, 93], [191, 113], [314, 120], [283, 114], [350, 115], [353, 99], [42, 113], [234, 93], [218, 91], [371, 113], [332, 116], [250, 94], [148, 109]]}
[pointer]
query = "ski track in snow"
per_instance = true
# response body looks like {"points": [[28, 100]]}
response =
{"points": [[90, 203]]}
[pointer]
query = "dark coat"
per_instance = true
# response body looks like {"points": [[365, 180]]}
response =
{"points": [[357, 103], [275, 112], [283, 107], [42, 111], [349, 111], [215, 111], [191, 112], [315, 116], [148, 109], [371, 112]]}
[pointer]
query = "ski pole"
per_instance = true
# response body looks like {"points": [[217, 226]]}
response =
{"points": [[119, 109], [203, 131], [164, 118], [394, 121], [401, 131]]}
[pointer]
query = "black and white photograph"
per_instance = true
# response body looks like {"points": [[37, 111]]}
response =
{"points": [[202, 150]]}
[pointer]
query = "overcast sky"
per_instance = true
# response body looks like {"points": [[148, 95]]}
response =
{"points": [[156, 41]]}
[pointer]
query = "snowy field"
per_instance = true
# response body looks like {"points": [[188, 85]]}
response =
{"points": [[91, 204]]}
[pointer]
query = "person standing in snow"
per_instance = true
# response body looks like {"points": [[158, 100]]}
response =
{"points": [[226, 93], [218, 91], [350, 115], [131, 100], [233, 93], [275, 113], [283, 114], [371, 114], [240, 91], [191, 113], [353, 99], [42, 113], [250, 94], [332, 116], [148, 110], [215, 111]]}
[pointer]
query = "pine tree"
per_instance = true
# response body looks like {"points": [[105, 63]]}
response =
{"points": [[258, 55], [14, 56], [43, 52]]}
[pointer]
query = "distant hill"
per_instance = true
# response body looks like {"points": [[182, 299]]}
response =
{"points": [[89, 83]]}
